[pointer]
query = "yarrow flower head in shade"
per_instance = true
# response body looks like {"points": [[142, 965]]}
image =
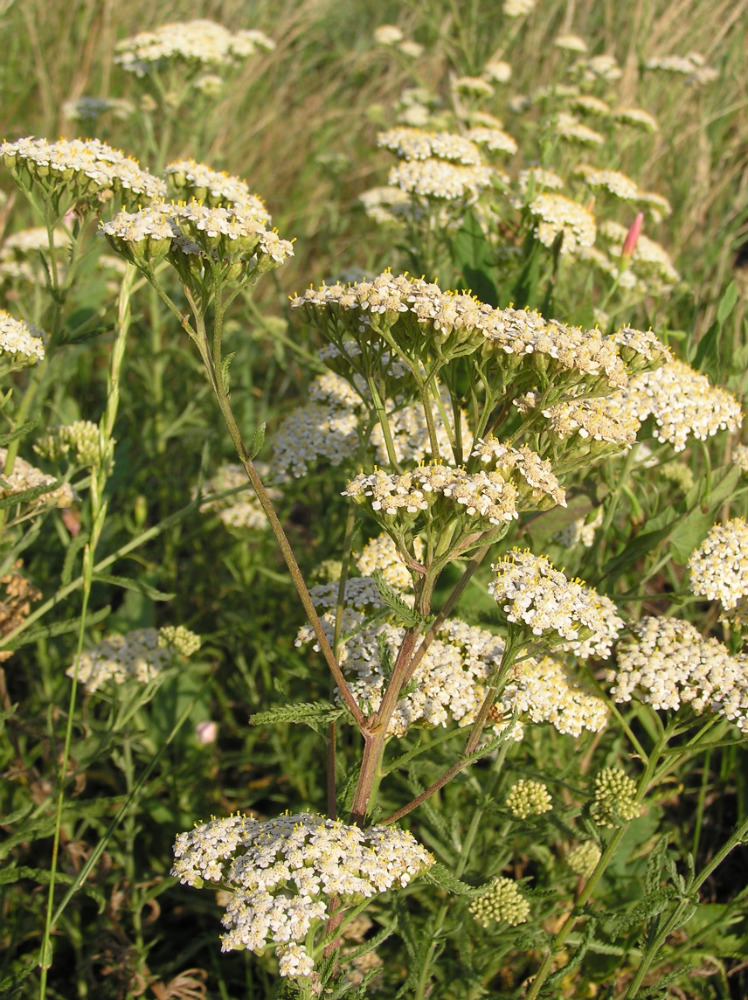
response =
{"points": [[602, 67], [531, 592], [197, 43], [240, 510], [20, 345], [528, 798], [590, 105], [473, 86], [24, 478], [668, 663], [449, 686], [196, 181], [614, 801], [284, 875], [388, 34], [719, 566], [78, 442], [740, 457], [503, 901], [386, 205], [556, 216], [692, 66], [380, 555], [537, 179], [72, 171], [581, 531], [138, 655], [584, 858]]}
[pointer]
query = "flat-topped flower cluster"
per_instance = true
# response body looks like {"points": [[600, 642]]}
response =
{"points": [[138, 655], [285, 872], [81, 168], [668, 663], [451, 682], [532, 592], [199, 43]]}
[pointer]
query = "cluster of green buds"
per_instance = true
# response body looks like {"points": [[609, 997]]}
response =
{"points": [[615, 798], [77, 442]]}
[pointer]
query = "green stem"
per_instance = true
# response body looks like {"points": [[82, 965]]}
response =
{"points": [[465, 849], [98, 514]]}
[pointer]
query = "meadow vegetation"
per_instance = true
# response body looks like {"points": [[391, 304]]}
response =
{"points": [[373, 554]]}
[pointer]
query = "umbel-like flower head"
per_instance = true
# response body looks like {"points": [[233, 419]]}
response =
{"points": [[200, 241], [138, 655], [74, 172], [19, 344], [191, 44], [719, 566], [285, 873], [532, 593]]}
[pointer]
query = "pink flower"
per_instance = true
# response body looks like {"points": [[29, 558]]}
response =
{"points": [[206, 732], [632, 237]]}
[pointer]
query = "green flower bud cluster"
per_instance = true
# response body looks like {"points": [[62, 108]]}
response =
{"points": [[178, 638], [503, 901], [528, 798], [583, 859], [615, 794], [78, 442]]}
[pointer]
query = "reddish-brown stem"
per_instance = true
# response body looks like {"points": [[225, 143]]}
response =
{"points": [[440, 783]]}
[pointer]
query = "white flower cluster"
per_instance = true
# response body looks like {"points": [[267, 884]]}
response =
{"points": [[199, 182], [440, 179], [449, 685], [197, 230], [25, 477], [386, 205], [588, 104], [556, 215], [536, 472], [683, 403], [138, 655], [34, 240], [415, 144], [415, 310], [637, 117], [497, 71], [451, 491], [518, 8], [284, 874], [581, 531], [602, 67], [692, 66], [200, 43], [242, 510], [494, 139], [570, 128], [18, 341], [719, 566], [667, 663], [473, 86], [86, 166], [381, 554], [613, 181], [503, 901], [570, 43], [530, 590], [537, 179]]}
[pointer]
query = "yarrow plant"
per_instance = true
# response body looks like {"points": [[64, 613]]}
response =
{"points": [[489, 479]]}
